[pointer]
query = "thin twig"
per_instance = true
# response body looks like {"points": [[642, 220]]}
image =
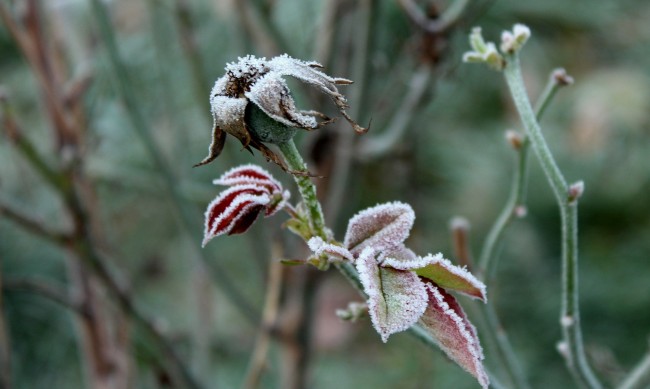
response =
{"points": [[439, 25], [257, 363], [570, 316], [517, 195], [639, 377], [495, 332], [46, 289], [373, 146], [346, 139], [33, 225]]}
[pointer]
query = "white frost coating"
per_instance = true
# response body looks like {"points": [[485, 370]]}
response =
{"points": [[249, 174], [396, 299], [399, 254], [228, 113], [272, 95], [382, 227], [270, 211], [457, 349], [463, 280], [251, 194], [287, 66], [247, 65], [320, 247], [219, 88]]}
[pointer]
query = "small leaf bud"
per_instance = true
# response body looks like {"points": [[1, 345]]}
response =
{"points": [[521, 211], [567, 321], [561, 77], [576, 190], [515, 139], [512, 42]]}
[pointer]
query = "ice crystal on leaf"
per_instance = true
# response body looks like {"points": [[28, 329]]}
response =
{"points": [[261, 82], [381, 227], [403, 287], [446, 321], [252, 190], [396, 299]]}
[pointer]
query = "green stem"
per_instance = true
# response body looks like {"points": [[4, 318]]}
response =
{"points": [[305, 186], [518, 188], [572, 333]]}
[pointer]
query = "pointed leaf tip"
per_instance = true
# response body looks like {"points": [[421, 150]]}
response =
{"points": [[446, 321], [382, 227]]}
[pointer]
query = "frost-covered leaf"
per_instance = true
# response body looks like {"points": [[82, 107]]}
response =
{"points": [[320, 247], [249, 174], [381, 227], [234, 210], [396, 299], [442, 272], [254, 175], [446, 321]]}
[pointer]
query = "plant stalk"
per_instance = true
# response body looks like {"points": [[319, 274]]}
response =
{"points": [[572, 333]]}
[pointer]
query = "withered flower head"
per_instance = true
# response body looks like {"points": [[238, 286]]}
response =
{"points": [[261, 82]]}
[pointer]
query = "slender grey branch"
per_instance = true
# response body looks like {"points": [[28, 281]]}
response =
{"points": [[442, 23], [378, 145]]}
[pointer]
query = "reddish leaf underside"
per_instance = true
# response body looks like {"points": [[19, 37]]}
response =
{"points": [[249, 174], [447, 323], [396, 299], [380, 227], [234, 211]]}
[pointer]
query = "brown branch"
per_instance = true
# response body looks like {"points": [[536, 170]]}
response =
{"points": [[443, 23]]}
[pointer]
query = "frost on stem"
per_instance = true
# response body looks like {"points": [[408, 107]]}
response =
{"points": [[252, 190], [273, 116]]}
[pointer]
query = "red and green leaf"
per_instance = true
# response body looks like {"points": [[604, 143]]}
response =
{"points": [[381, 227], [446, 322], [396, 299]]}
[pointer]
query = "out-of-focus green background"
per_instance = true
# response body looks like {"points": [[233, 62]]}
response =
{"points": [[451, 160]]}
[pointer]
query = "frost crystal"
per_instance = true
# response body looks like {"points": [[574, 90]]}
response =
{"points": [[261, 82], [396, 299]]}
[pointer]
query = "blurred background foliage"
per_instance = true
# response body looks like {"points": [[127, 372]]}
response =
{"points": [[450, 159]]}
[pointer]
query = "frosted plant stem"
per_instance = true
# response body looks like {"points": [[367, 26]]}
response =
{"points": [[518, 189], [572, 333], [639, 378], [305, 186]]}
